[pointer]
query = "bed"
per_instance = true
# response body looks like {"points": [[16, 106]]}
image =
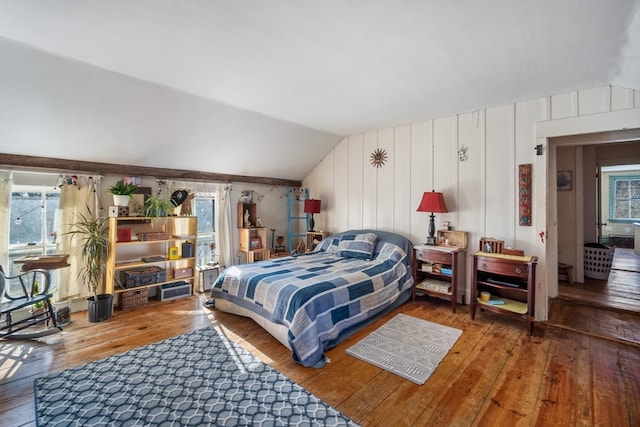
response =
{"points": [[311, 302]]}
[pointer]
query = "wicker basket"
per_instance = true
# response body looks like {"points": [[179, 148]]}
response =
{"points": [[133, 299]]}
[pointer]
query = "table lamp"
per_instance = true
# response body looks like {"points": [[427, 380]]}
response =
{"points": [[312, 206], [432, 202]]}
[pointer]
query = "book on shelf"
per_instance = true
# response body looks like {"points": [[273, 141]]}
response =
{"points": [[435, 286], [156, 258], [446, 271]]}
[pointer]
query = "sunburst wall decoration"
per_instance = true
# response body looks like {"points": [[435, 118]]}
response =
{"points": [[378, 158]]}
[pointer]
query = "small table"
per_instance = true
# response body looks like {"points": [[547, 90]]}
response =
{"points": [[45, 262], [565, 270], [208, 276], [442, 281], [511, 282]]}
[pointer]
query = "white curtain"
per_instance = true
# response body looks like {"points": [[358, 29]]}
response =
{"points": [[225, 243], [5, 202], [74, 201]]}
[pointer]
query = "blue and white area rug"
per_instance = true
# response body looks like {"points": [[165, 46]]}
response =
{"points": [[196, 379], [409, 347]]}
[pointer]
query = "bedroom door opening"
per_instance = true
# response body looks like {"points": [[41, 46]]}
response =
{"points": [[622, 288]]}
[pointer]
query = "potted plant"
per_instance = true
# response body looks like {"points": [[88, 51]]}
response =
{"points": [[122, 192], [157, 206], [92, 240]]}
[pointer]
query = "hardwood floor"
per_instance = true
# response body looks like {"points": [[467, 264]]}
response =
{"points": [[495, 374], [621, 291]]}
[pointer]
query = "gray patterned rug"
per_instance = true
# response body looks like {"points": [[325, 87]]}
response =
{"points": [[199, 378], [409, 347]]}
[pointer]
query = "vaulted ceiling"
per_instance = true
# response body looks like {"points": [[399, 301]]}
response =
{"points": [[328, 69]]}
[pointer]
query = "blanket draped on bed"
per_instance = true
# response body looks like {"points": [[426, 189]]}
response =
{"points": [[320, 294]]}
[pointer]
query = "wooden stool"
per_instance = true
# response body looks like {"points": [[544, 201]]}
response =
{"points": [[565, 271]]}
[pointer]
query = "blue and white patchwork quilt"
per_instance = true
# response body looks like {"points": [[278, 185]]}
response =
{"points": [[322, 294]]}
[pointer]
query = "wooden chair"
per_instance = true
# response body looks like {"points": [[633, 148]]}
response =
{"points": [[28, 289]]}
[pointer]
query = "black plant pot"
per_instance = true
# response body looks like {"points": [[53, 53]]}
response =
{"points": [[100, 310]]}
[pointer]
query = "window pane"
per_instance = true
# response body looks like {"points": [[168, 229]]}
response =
{"points": [[205, 253], [635, 208], [52, 205], [205, 213], [26, 218], [635, 189], [622, 189], [622, 209]]}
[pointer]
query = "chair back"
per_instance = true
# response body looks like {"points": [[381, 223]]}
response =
{"points": [[3, 283]]}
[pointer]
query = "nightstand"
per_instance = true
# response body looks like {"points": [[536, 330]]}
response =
{"points": [[436, 270], [509, 281]]}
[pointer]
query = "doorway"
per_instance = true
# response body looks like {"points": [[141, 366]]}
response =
{"points": [[600, 218], [621, 290]]}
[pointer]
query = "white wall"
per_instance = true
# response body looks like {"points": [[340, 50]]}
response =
{"points": [[60, 108], [481, 192]]}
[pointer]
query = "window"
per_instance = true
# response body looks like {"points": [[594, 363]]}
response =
{"points": [[624, 204], [31, 223], [205, 210]]}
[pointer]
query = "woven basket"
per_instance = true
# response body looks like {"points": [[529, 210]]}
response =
{"points": [[133, 299]]}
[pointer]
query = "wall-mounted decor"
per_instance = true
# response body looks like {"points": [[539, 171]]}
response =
{"points": [[462, 153], [378, 157], [564, 180], [246, 196], [524, 193]]}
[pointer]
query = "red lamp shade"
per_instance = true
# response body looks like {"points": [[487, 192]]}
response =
{"points": [[432, 202], [312, 206]]}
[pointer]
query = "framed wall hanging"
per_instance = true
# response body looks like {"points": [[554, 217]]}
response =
{"points": [[524, 194], [255, 243], [564, 180], [137, 200]]}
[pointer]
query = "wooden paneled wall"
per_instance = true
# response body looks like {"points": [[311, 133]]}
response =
{"points": [[480, 192]]}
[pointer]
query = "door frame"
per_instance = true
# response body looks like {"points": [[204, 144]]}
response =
{"points": [[623, 125]]}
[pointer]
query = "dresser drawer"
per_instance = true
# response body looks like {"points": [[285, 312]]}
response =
{"points": [[505, 268], [433, 256]]}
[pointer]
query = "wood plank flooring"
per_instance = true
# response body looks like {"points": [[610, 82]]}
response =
{"points": [[495, 374], [621, 291]]}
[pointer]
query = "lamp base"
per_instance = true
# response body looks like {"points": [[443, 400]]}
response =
{"points": [[431, 238], [312, 224]]}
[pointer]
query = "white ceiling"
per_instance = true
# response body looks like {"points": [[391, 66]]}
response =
{"points": [[345, 67]]}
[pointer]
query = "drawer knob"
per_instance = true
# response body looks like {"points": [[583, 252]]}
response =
{"points": [[519, 271], [484, 265]]}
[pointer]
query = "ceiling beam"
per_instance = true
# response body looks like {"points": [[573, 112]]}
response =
{"points": [[62, 165]]}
